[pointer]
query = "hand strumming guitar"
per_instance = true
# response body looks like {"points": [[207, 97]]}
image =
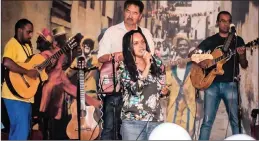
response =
{"points": [[203, 65], [32, 73]]}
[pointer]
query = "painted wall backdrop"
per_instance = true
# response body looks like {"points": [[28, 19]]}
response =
{"points": [[165, 19]]}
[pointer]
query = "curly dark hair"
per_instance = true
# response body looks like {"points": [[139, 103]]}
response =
{"points": [[89, 42], [129, 55]]}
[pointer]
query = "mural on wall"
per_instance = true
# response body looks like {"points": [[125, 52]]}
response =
{"points": [[190, 20]]}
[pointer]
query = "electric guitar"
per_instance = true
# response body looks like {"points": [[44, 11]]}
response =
{"points": [[89, 128], [25, 87], [201, 78]]}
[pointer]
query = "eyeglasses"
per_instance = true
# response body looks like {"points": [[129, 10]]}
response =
{"points": [[182, 45], [225, 22]]}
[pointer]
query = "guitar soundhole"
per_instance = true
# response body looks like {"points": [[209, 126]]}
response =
{"points": [[83, 113]]}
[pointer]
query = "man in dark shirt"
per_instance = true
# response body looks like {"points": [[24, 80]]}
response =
{"points": [[223, 87]]}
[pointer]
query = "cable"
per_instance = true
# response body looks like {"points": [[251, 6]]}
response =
{"points": [[144, 127], [101, 110], [95, 128], [196, 133], [100, 120]]}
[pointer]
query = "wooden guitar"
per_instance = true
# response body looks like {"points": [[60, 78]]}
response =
{"points": [[89, 129], [201, 79], [26, 87]]}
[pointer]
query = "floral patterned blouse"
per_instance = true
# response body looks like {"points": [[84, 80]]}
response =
{"points": [[141, 98]]}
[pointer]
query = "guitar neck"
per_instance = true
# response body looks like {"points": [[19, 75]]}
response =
{"points": [[55, 56], [229, 54], [81, 88], [226, 45], [226, 55], [177, 62], [216, 60]]}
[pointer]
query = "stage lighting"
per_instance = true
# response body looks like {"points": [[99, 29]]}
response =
{"points": [[169, 131], [239, 137]]}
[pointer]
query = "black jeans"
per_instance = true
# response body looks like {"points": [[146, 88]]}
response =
{"points": [[111, 103]]}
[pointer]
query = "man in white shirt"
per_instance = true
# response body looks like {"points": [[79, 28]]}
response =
{"points": [[111, 44]]}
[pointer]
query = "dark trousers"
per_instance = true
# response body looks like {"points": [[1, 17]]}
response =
{"points": [[112, 103]]}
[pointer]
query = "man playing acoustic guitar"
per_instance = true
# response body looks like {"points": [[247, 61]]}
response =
{"points": [[17, 50], [223, 86]]}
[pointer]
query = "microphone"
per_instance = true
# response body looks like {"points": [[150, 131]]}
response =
{"points": [[144, 53], [233, 29]]}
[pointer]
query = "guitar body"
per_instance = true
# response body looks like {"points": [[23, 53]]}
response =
{"points": [[89, 127], [22, 85], [198, 77]]}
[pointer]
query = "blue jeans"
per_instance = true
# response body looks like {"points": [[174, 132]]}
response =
{"points": [[109, 119], [20, 118], [213, 95], [131, 129]]}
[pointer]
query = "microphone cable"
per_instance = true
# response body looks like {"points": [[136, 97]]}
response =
{"points": [[144, 126]]}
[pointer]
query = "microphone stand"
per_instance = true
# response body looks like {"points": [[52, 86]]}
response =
{"points": [[78, 109], [79, 100], [237, 78], [114, 103]]}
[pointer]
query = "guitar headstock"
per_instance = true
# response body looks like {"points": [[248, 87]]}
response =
{"points": [[252, 45], [81, 62], [74, 41], [197, 58]]}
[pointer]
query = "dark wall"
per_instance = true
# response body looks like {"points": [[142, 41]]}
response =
{"points": [[239, 11]]}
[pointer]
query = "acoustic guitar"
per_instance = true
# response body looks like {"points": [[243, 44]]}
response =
{"points": [[89, 128], [202, 78], [26, 87]]}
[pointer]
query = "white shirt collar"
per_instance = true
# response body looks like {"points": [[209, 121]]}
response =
{"points": [[122, 26]]}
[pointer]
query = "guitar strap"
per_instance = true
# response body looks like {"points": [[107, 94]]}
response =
{"points": [[27, 52]]}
